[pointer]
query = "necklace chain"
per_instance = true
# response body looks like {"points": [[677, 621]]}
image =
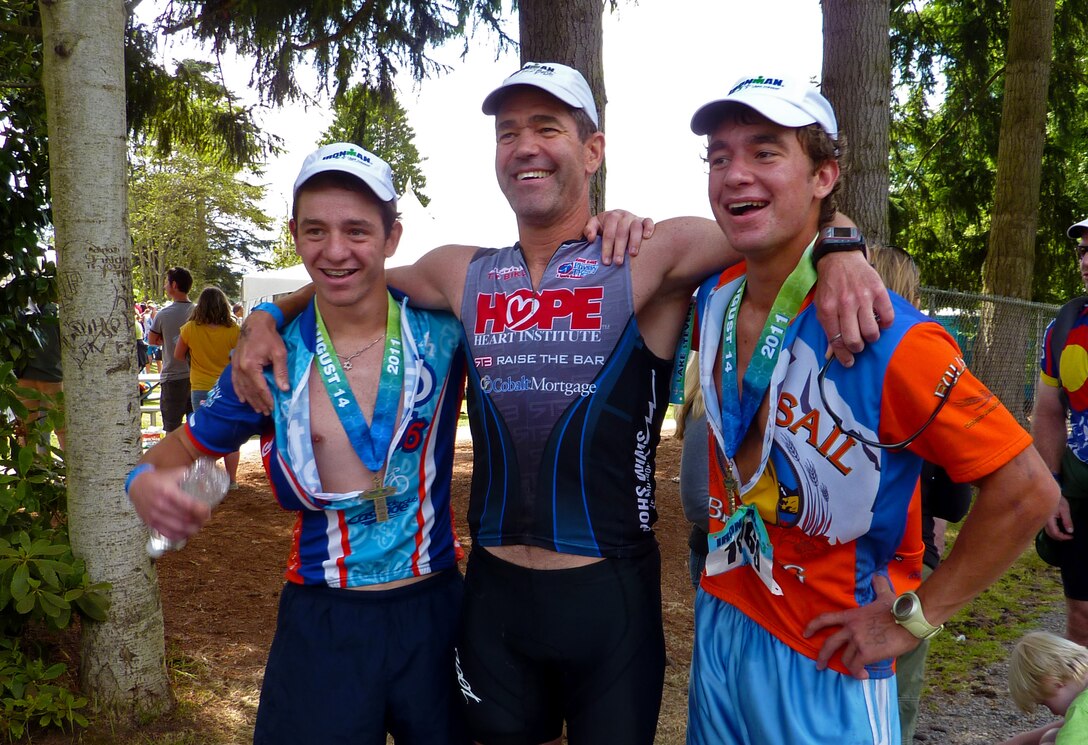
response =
{"points": [[347, 360]]}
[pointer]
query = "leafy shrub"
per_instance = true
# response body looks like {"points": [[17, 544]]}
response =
{"points": [[29, 699], [41, 582]]}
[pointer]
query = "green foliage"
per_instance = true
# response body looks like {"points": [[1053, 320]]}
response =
{"points": [[283, 248], [30, 698], [188, 109], [185, 109], [24, 205], [349, 41], [364, 118], [188, 211], [948, 57], [42, 584]]}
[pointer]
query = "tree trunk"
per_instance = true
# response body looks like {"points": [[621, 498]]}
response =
{"points": [[122, 662], [1010, 255], [857, 79], [570, 32]]}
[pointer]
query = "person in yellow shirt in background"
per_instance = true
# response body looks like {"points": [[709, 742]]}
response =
{"points": [[208, 338]]}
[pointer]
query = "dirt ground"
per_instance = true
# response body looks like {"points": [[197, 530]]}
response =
{"points": [[220, 593]]}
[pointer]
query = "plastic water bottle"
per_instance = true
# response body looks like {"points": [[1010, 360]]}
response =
{"points": [[205, 482]]}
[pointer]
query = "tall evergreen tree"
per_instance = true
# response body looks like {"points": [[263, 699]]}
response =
{"points": [[1010, 255], [949, 59], [381, 127], [189, 211]]}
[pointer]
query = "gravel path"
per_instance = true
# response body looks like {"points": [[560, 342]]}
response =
{"points": [[986, 714]]}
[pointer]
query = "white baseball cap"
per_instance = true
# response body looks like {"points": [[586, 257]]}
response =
{"points": [[565, 83], [353, 160], [1076, 230], [791, 103]]}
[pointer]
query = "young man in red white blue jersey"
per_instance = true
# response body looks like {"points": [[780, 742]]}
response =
{"points": [[361, 447]]}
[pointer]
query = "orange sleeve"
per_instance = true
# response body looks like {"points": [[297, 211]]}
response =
{"points": [[973, 435]]}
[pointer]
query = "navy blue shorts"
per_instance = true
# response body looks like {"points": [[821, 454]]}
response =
{"points": [[349, 666], [583, 645]]}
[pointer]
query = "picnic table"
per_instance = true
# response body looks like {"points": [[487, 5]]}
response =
{"points": [[151, 383], [149, 403]]}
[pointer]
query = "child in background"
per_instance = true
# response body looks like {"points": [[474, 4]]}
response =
{"points": [[1049, 670]]}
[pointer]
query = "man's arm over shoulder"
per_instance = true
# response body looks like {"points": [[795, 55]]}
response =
{"points": [[682, 252], [851, 300], [436, 281]]}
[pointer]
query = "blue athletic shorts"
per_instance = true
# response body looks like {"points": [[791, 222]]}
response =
{"points": [[748, 688], [582, 645], [347, 666]]}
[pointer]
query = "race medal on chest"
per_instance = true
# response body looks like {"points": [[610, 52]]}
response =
{"points": [[742, 541], [370, 440], [378, 495]]}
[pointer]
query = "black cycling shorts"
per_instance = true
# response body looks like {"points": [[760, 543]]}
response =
{"points": [[583, 646], [1073, 554]]}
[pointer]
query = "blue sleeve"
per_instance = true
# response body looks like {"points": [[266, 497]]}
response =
{"points": [[1048, 361], [223, 423]]}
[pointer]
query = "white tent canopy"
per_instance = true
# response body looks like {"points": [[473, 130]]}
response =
{"points": [[266, 285], [420, 236]]}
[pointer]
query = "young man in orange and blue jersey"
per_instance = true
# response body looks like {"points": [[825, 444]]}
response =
{"points": [[795, 630]]}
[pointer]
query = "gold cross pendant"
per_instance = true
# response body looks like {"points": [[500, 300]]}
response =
{"points": [[378, 496]]}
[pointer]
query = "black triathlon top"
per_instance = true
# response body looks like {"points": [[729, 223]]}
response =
{"points": [[565, 403]]}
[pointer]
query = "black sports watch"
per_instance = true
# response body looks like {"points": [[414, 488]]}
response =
{"points": [[832, 239]]}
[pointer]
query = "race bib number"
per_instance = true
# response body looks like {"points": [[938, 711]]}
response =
{"points": [[742, 541]]}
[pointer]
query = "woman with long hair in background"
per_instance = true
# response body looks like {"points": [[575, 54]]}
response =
{"points": [[208, 338]]}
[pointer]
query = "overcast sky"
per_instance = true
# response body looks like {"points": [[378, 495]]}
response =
{"points": [[662, 60]]}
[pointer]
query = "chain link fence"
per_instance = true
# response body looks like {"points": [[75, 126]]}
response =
{"points": [[1001, 339]]}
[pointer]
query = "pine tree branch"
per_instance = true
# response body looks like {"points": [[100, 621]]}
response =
{"points": [[197, 19], [962, 115], [344, 30]]}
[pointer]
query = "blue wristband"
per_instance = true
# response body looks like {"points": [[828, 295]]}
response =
{"points": [[273, 310], [142, 468]]}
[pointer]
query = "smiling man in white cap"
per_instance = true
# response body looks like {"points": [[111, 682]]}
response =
{"points": [[1060, 426], [796, 621], [360, 446], [572, 363]]}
